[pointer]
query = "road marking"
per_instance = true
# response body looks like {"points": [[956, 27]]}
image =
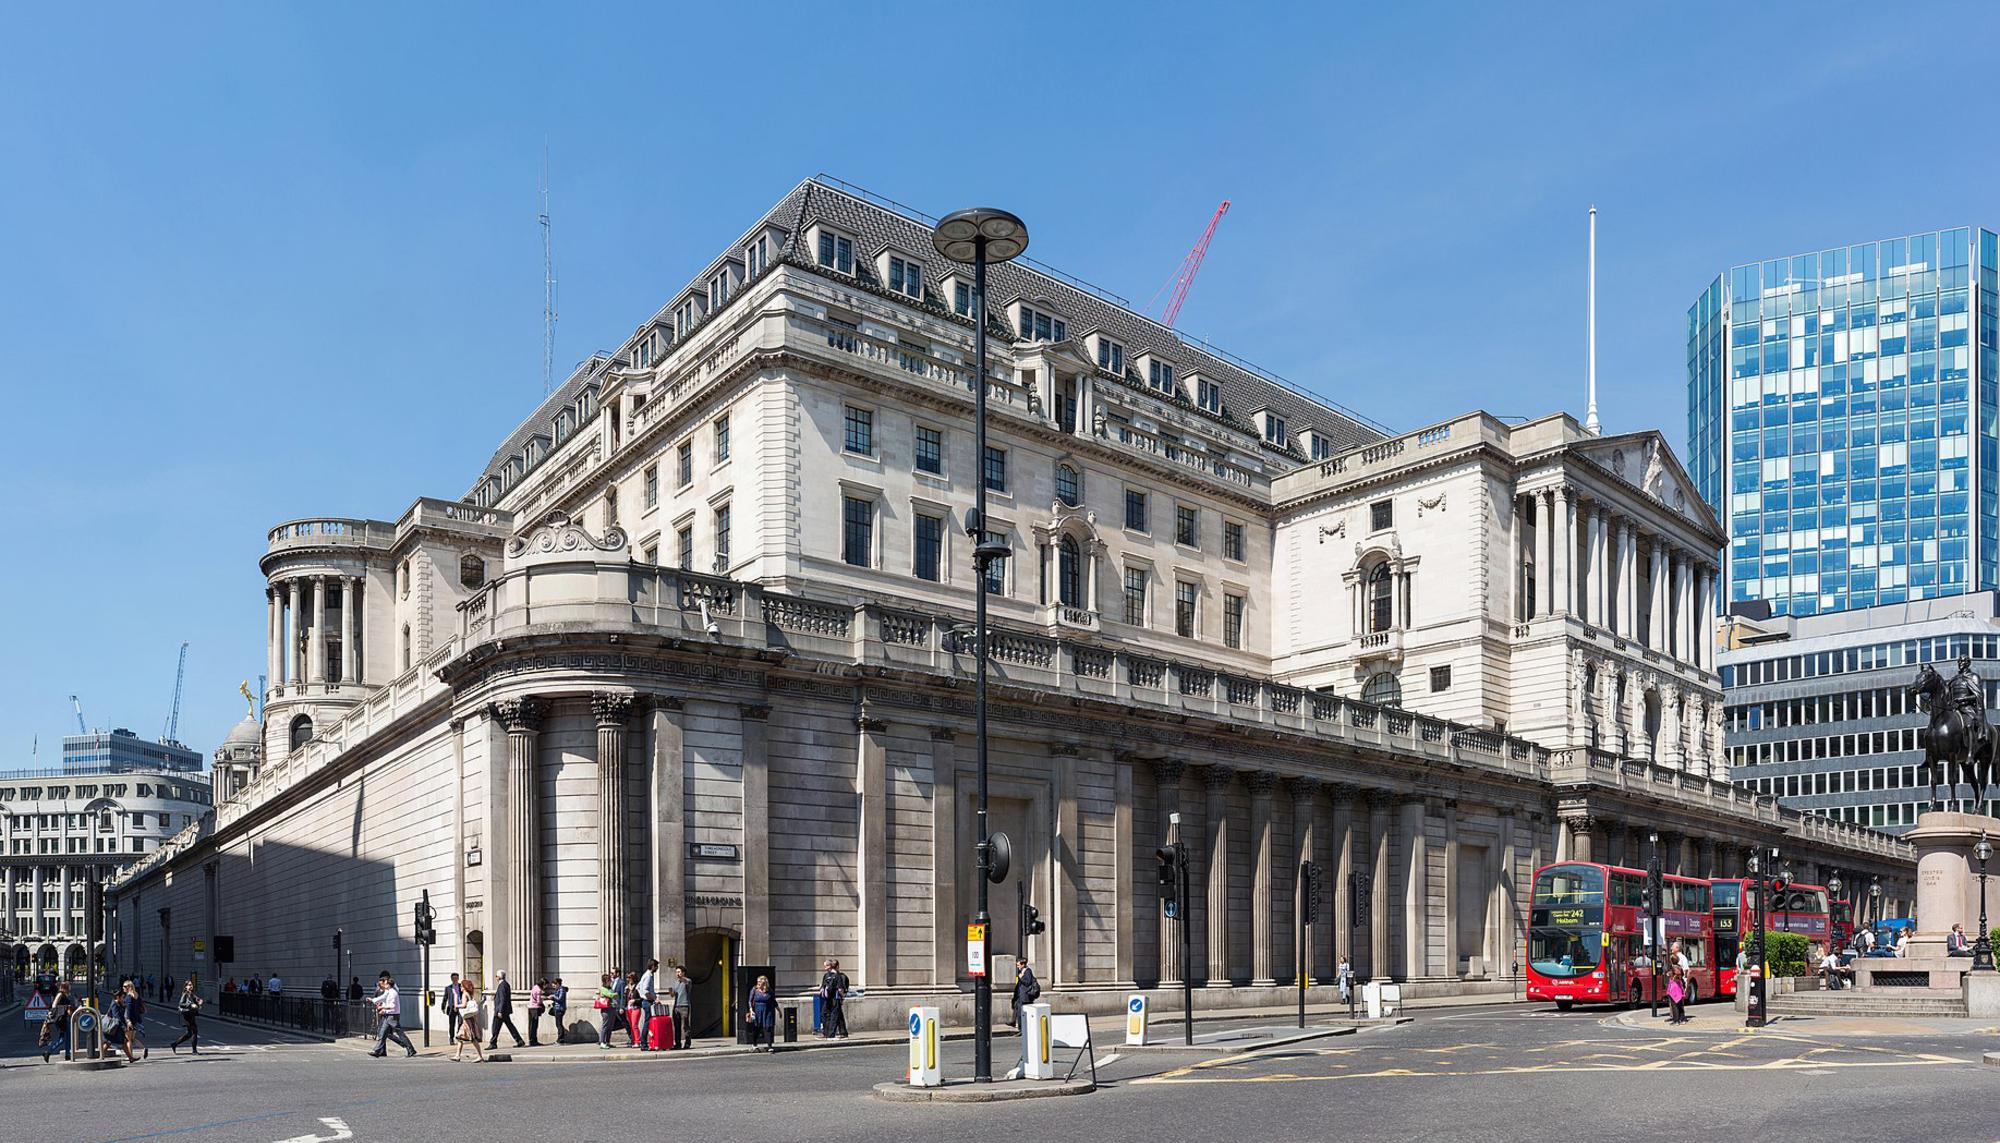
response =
{"points": [[1180, 1077], [1110, 1059], [338, 1125]]}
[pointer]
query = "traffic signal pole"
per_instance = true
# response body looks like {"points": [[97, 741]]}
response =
{"points": [[1187, 948]]}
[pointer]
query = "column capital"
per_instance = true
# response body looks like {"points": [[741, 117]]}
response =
{"points": [[1381, 799], [1305, 787], [672, 704], [612, 708], [521, 715], [866, 720], [1168, 771], [1217, 776], [1261, 782], [760, 712], [1063, 750], [942, 734]]}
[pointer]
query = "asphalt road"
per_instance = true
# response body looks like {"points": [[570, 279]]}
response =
{"points": [[1516, 1072]]}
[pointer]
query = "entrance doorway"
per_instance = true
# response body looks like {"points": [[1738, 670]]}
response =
{"points": [[711, 966]]}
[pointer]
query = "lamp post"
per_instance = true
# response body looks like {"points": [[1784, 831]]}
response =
{"points": [[979, 236], [1982, 951], [1756, 868], [1874, 901], [1832, 896], [1654, 884]]}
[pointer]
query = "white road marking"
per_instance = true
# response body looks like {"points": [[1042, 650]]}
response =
{"points": [[340, 1131], [1110, 1059]]}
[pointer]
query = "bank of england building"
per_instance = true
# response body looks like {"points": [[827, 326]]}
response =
{"points": [[687, 670]]}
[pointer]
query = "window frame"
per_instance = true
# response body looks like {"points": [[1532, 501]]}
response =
{"points": [[1232, 624], [1187, 594], [853, 416], [939, 546], [1381, 515], [1138, 497], [1075, 482], [1235, 540], [917, 449], [1187, 525], [901, 268], [995, 455], [720, 429], [1028, 327], [834, 251], [848, 501], [1145, 595]]}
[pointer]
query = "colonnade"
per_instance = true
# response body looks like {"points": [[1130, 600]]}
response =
{"points": [[1605, 567], [302, 647], [43, 916]]}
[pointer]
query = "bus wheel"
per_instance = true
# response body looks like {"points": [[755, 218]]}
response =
{"points": [[1564, 1005], [1638, 998], [1693, 993]]}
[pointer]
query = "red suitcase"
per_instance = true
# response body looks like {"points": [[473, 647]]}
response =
{"points": [[660, 1032]]}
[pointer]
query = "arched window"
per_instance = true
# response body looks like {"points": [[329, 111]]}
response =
{"points": [[1069, 572], [1382, 689], [472, 571], [302, 731], [1381, 599], [1069, 486]]}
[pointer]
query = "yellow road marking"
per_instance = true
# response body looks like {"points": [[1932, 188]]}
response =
{"points": [[1657, 1065]]}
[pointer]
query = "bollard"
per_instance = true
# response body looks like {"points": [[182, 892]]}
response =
{"points": [[1036, 1062], [791, 1023], [924, 1069], [1135, 1021]]}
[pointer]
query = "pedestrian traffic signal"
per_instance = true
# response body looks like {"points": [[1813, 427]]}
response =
{"points": [[1031, 921]]}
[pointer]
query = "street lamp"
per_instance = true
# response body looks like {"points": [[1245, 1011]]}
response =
{"points": [[1756, 867], [1982, 952], [977, 237], [1875, 900], [1652, 922], [1833, 895]]}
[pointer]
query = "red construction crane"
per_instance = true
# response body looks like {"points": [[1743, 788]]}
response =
{"points": [[1191, 265]]}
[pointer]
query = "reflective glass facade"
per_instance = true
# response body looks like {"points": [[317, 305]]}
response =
{"points": [[1841, 421]]}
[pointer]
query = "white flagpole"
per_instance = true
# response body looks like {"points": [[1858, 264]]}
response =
{"points": [[1590, 421]]}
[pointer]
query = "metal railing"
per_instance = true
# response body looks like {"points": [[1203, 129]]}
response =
{"points": [[312, 1015]]}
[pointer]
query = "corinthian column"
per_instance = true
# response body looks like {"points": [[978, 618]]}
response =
{"points": [[520, 943], [1216, 821], [614, 930], [1262, 882]]}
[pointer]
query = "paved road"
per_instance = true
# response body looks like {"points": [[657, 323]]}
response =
{"points": [[1470, 1074]]}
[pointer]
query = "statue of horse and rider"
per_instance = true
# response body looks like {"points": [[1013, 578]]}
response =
{"points": [[1959, 744]]}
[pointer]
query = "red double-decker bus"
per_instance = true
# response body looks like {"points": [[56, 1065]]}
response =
{"points": [[1587, 935], [1801, 909]]}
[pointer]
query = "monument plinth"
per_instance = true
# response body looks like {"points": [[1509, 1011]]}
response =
{"points": [[1948, 877]]}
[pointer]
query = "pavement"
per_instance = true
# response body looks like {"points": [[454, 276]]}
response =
{"points": [[1448, 1076]]}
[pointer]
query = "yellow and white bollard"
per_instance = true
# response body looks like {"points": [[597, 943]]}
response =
{"points": [[924, 1070], [1037, 1062], [1135, 1020]]}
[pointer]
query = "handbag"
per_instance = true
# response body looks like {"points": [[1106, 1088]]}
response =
{"points": [[600, 1003]]}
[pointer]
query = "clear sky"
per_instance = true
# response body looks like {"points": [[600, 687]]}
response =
{"points": [[279, 260]]}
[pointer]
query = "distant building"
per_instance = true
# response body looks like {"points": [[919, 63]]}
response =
{"points": [[1818, 712], [107, 751]]}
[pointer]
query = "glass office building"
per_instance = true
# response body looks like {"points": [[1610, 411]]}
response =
{"points": [[1841, 421]]}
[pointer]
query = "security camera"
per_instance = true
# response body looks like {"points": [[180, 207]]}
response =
{"points": [[708, 623], [714, 630]]}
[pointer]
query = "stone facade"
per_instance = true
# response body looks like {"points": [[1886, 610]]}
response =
{"points": [[688, 672]]}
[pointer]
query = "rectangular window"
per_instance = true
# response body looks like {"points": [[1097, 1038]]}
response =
{"points": [[857, 538], [961, 299], [685, 541], [1232, 621], [1135, 510], [996, 570], [651, 555], [930, 548], [1232, 540], [722, 539], [1322, 448], [836, 252], [930, 450], [684, 464], [1381, 515], [993, 468], [652, 485], [1274, 428], [860, 431], [756, 256], [1037, 325], [1184, 595], [1208, 395], [1160, 376], [1135, 596], [1441, 678], [1110, 356], [718, 291], [906, 277], [722, 438], [1186, 521]]}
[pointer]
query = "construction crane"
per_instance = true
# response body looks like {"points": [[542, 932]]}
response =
{"points": [[81, 728], [1183, 279], [174, 713]]}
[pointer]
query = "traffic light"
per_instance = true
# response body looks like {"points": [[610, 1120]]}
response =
{"points": [[425, 923], [1031, 921], [1170, 881], [1649, 898], [93, 905], [1312, 878]]}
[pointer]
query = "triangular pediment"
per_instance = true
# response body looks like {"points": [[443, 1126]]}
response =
{"points": [[1644, 461]]}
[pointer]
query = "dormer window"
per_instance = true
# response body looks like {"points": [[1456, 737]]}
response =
{"points": [[647, 350], [836, 252], [1320, 447], [960, 292], [905, 277], [1160, 375], [1041, 325], [1274, 428], [718, 291], [757, 256], [1110, 356], [686, 317], [1208, 395]]}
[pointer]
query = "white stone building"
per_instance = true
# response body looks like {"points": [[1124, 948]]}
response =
{"points": [[684, 674]]}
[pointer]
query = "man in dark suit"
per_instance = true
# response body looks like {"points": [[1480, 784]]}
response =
{"points": [[1956, 944], [503, 1012]]}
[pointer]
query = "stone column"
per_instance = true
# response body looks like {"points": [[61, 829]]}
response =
{"points": [[1167, 802], [35, 926], [616, 943], [350, 599], [1683, 612], [274, 650], [1704, 616], [1262, 883], [1416, 886], [1340, 901], [1217, 779], [1628, 582], [947, 926], [1545, 538], [1125, 851], [1708, 870], [1505, 899], [294, 636], [872, 846], [1579, 828], [519, 947], [1451, 948], [1305, 847], [1673, 744], [1066, 926], [316, 649], [1379, 802], [1565, 543], [667, 784]]}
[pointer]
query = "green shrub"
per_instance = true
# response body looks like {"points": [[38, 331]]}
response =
{"points": [[1785, 954]]}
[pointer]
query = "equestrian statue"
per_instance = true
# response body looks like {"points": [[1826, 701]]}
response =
{"points": [[1958, 744]]}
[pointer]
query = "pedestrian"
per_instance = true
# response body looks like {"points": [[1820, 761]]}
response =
{"points": [[55, 1028], [635, 1013], [1344, 977], [229, 985], [274, 986], [763, 1016], [833, 1002], [453, 1002], [503, 1013], [535, 1014], [190, 1005], [557, 998], [1026, 989], [683, 1008], [465, 1029], [389, 1018], [1676, 994], [608, 1009], [131, 1011], [648, 994], [354, 988], [329, 989]]}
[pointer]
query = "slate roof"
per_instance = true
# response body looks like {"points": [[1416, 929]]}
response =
{"points": [[877, 224]]}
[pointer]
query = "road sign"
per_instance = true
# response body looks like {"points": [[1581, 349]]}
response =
{"points": [[1135, 1020], [37, 1009], [924, 1070], [975, 950]]}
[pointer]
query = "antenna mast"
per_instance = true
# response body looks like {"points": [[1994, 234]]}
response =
{"points": [[1590, 422], [548, 286]]}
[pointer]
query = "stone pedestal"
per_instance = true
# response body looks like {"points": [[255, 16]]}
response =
{"points": [[1948, 878]]}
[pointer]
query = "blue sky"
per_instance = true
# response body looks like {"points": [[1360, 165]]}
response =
{"points": [[273, 261]]}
